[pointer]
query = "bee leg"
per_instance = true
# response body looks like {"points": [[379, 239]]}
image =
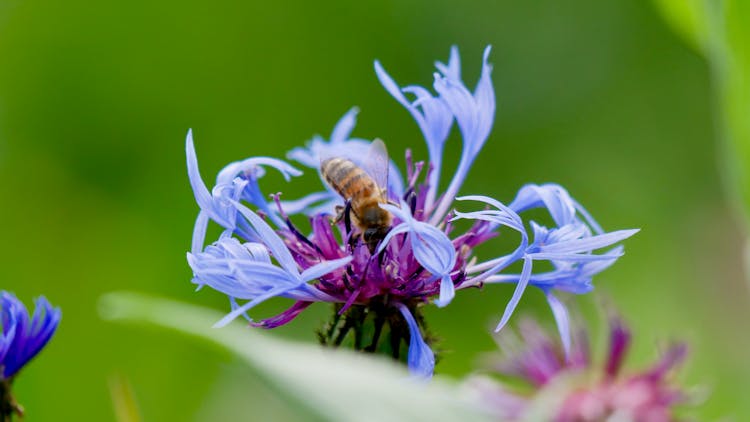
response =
{"points": [[347, 216], [339, 214]]}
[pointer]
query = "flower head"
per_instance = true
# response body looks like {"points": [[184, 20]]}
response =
{"points": [[574, 388], [23, 337], [262, 253]]}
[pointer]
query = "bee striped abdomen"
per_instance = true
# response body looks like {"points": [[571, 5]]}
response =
{"points": [[364, 197], [346, 178]]}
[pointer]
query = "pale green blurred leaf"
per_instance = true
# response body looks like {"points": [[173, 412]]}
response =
{"points": [[123, 400], [335, 385], [721, 31], [731, 54], [687, 17]]}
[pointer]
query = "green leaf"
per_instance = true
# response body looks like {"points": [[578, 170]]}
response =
{"points": [[720, 29], [687, 18], [334, 385], [123, 400]]}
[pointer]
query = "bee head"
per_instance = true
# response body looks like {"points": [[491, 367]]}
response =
{"points": [[373, 235]]}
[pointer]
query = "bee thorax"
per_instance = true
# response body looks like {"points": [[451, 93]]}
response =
{"points": [[375, 216]]}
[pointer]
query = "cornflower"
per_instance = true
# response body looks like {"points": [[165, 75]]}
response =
{"points": [[574, 388], [22, 339], [262, 253]]}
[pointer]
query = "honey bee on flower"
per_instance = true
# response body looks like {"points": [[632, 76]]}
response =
{"points": [[380, 265], [363, 191]]}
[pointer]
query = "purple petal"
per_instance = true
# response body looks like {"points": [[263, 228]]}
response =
{"points": [[283, 317], [619, 341], [674, 356]]}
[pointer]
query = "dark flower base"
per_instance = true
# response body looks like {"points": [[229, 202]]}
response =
{"points": [[374, 328], [8, 405]]}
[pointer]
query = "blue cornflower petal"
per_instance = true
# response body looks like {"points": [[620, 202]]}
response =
{"points": [[240, 310], [520, 288], [561, 206], [432, 116], [431, 247], [253, 168], [245, 271], [199, 231], [421, 360], [453, 68], [312, 204], [8, 327], [561, 318], [317, 146], [217, 204], [269, 237], [587, 244], [505, 215], [399, 229], [202, 195], [23, 338], [344, 127], [570, 278], [569, 248], [324, 268], [474, 114], [244, 175]]}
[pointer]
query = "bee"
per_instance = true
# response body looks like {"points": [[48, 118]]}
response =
{"points": [[363, 191]]}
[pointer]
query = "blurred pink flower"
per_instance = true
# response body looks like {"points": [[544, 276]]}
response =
{"points": [[574, 389]]}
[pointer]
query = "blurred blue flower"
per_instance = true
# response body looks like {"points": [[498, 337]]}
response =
{"points": [[262, 254], [24, 337]]}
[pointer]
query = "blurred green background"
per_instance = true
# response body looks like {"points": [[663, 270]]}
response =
{"points": [[96, 99]]}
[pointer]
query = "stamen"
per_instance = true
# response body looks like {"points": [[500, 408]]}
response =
{"points": [[415, 174], [276, 199], [409, 164]]}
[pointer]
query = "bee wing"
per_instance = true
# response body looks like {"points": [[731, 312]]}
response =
{"points": [[376, 164]]}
